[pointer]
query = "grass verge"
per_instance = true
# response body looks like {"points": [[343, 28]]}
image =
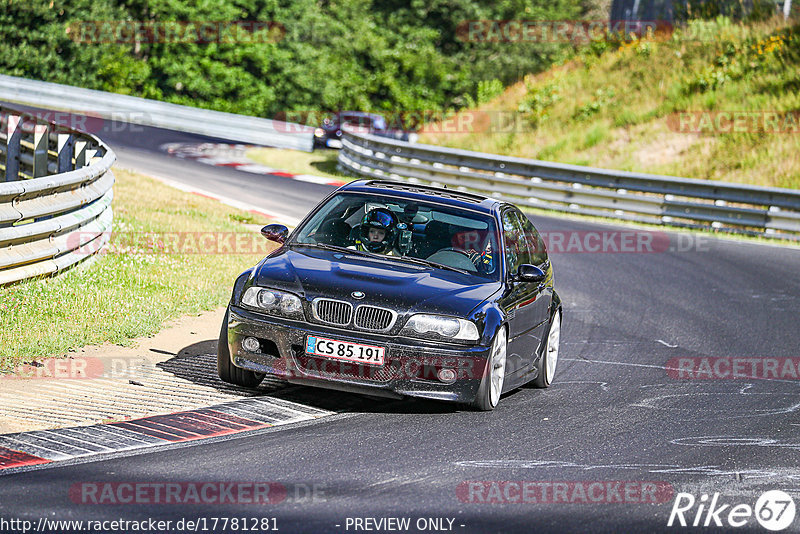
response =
{"points": [[319, 163], [163, 263]]}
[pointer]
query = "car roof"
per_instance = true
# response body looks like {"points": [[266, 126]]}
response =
{"points": [[450, 197]]}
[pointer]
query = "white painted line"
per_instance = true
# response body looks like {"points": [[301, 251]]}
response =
{"points": [[316, 179], [27, 447], [287, 405], [65, 437], [124, 433], [255, 168]]}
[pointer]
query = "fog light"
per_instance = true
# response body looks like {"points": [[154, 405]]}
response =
{"points": [[251, 344], [448, 376]]}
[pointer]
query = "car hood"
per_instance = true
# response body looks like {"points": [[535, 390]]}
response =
{"points": [[403, 287]]}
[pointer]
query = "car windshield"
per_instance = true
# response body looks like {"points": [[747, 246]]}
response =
{"points": [[406, 230]]}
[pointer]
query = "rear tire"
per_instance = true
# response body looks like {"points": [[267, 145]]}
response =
{"points": [[493, 378], [549, 358], [225, 369]]}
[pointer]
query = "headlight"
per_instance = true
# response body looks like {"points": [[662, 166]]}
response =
{"points": [[273, 302], [319, 132], [440, 326]]}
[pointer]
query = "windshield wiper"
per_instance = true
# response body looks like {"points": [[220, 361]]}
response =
{"points": [[429, 263]]}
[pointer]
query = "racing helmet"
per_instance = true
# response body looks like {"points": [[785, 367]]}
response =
{"points": [[379, 219]]}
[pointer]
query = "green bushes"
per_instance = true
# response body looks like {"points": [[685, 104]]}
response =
{"points": [[331, 55], [599, 101], [537, 104], [489, 89]]}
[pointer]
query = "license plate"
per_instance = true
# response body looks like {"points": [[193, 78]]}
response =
{"points": [[343, 350], [334, 143]]}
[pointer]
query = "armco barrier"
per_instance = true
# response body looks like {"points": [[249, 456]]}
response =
{"points": [[135, 110], [55, 196], [647, 198]]}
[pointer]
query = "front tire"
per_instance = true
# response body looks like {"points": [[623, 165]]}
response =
{"points": [[493, 378], [549, 359], [225, 369]]}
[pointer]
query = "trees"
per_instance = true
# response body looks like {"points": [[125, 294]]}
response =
{"points": [[329, 55]]}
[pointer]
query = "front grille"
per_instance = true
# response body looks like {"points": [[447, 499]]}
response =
{"points": [[338, 369], [374, 318], [335, 312]]}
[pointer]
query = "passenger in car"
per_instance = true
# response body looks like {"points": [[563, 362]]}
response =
{"points": [[376, 235], [378, 232]]}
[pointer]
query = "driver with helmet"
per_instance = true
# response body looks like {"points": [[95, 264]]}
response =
{"points": [[378, 232]]}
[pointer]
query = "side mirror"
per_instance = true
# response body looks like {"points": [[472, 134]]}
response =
{"points": [[275, 232], [529, 273]]}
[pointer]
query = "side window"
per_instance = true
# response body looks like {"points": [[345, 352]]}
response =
{"points": [[516, 246], [535, 243]]}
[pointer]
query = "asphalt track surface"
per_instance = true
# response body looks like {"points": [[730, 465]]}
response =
{"points": [[614, 412]]}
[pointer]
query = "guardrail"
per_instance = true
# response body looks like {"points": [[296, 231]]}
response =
{"points": [[135, 110], [55, 196], [646, 198]]}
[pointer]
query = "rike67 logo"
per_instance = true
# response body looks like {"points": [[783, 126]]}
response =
{"points": [[774, 510]]}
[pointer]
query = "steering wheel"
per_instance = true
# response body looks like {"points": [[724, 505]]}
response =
{"points": [[459, 262], [453, 249]]}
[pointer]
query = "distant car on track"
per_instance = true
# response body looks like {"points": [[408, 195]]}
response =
{"points": [[329, 133], [397, 289]]}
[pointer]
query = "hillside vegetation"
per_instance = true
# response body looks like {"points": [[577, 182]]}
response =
{"points": [[619, 105]]}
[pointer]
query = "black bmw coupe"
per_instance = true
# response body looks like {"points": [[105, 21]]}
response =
{"points": [[398, 289]]}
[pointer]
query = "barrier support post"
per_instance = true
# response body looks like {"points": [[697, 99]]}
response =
{"points": [[40, 138], [13, 135], [65, 148]]}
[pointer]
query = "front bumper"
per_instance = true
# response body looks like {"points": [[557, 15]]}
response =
{"points": [[410, 367]]}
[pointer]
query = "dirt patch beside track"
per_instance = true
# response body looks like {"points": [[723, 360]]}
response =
{"points": [[171, 371]]}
